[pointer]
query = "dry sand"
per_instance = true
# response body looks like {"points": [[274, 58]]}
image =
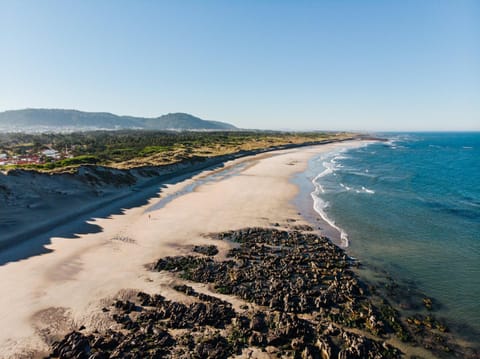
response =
{"points": [[47, 295]]}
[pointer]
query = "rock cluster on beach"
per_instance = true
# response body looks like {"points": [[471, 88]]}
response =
{"points": [[300, 299]]}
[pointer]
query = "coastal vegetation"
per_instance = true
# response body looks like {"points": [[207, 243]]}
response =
{"points": [[135, 148]]}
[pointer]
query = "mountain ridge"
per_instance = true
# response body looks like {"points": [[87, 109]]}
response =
{"points": [[31, 118]]}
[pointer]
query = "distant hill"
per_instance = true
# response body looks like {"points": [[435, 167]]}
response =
{"points": [[61, 120]]}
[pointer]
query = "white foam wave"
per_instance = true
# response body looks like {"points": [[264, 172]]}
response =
{"points": [[319, 206], [393, 143], [366, 190], [396, 143], [328, 170], [362, 190]]}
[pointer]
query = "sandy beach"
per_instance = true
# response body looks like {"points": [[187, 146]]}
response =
{"points": [[48, 295]]}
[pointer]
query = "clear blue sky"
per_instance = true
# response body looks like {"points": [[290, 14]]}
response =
{"points": [[361, 65]]}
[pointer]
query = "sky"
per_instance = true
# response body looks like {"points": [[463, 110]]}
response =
{"points": [[327, 65]]}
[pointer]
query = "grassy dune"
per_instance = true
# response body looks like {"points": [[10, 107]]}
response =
{"points": [[129, 149]]}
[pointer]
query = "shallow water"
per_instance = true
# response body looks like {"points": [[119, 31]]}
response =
{"points": [[411, 207]]}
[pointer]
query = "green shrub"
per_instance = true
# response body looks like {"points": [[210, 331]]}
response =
{"points": [[79, 160], [150, 150]]}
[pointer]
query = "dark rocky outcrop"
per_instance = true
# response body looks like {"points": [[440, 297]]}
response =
{"points": [[207, 250], [302, 300]]}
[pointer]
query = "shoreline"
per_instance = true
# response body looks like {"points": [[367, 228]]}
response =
{"points": [[306, 202], [69, 287], [108, 197], [308, 198]]}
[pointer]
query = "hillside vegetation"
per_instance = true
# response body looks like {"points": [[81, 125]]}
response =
{"points": [[58, 120]]}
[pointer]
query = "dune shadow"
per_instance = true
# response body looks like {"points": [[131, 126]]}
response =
{"points": [[72, 226]]}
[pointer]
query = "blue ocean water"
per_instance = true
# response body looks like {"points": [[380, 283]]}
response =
{"points": [[411, 206]]}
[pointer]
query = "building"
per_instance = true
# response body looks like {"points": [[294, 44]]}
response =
{"points": [[51, 153]]}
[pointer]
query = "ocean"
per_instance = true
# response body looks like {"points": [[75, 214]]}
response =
{"points": [[410, 207]]}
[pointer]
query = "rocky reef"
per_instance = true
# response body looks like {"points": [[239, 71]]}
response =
{"points": [[298, 295]]}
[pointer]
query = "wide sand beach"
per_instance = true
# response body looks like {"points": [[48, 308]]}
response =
{"points": [[48, 295]]}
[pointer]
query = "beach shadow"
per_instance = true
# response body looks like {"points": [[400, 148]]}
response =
{"points": [[73, 226]]}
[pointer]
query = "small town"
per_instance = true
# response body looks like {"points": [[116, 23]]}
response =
{"points": [[31, 157]]}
